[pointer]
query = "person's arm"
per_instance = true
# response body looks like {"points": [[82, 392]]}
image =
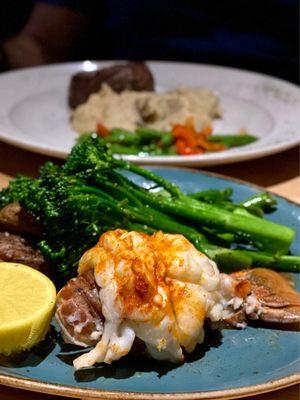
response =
{"points": [[49, 35]]}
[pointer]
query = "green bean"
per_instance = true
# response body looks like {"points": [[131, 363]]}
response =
{"points": [[149, 133], [122, 149], [166, 140], [121, 136], [232, 140]]}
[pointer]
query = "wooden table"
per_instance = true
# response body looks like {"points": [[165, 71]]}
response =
{"points": [[279, 172]]}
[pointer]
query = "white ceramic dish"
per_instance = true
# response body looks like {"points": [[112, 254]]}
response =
{"points": [[34, 113]]}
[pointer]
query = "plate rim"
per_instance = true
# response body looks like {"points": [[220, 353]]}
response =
{"points": [[229, 157], [77, 392]]}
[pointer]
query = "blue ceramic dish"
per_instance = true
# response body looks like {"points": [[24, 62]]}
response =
{"points": [[232, 363]]}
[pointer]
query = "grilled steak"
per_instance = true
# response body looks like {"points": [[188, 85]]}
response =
{"points": [[14, 248], [14, 219], [130, 76]]}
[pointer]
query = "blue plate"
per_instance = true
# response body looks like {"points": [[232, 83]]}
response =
{"points": [[231, 363]]}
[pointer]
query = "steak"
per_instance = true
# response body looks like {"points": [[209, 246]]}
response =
{"points": [[131, 76], [15, 219], [14, 248]]}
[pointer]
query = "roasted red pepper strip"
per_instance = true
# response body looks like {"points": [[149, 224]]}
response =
{"points": [[207, 131], [207, 145], [102, 130], [184, 150], [186, 134], [188, 141]]}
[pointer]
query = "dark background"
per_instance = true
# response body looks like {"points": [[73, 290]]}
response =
{"points": [[259, 35]]}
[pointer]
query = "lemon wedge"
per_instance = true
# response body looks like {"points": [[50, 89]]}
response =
{"points": [[27, 300]]}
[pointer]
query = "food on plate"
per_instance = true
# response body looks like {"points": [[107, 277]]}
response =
{"points": [[90, 194], [274, 298], [182, 139], [15, 219], [119, 104], [160, 289], [154, 262], [131, 109], [27, 301], [19, 235], [18, 249], [79, 311], [233, 140], [131, 76]]}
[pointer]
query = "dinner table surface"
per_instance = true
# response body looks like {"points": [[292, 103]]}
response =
{"points": [[279, 173]]}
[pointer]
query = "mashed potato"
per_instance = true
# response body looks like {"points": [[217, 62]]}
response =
{"points": [[131, 109]]}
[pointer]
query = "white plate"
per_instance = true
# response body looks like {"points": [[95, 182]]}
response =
{"points": [[34, 113]]}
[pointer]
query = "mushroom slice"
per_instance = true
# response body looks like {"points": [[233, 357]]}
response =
{"points": [[272, 296]]}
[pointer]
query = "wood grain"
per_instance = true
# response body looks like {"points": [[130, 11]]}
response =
{"points": [[4, 179], [289, 189]]}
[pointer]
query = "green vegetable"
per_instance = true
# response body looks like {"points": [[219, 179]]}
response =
{"points": [[124, 149], [91, 193], [166, 140], [263, 201], [144, 141], [213, 195], [121, 136], [262, 233], [232, 140], [149, 141], [257, 204], [149, 133]]}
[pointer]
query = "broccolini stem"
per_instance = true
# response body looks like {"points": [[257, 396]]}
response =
{"points": [[145, 216], [261, 200], [266, 234], [146, 173], [212, 195], [278, 263], [160, 221], [233, 260]]}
